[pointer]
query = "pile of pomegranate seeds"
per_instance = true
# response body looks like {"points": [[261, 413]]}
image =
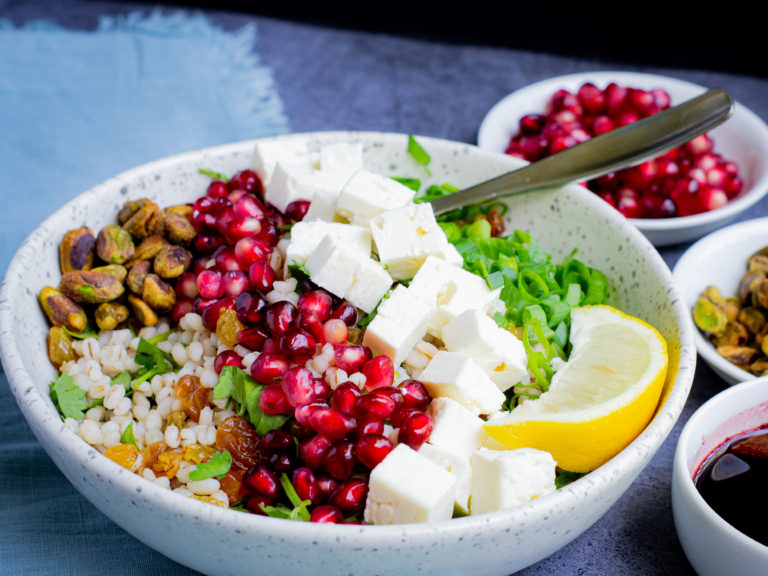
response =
{"points": [[687, 180], [332, 438]]}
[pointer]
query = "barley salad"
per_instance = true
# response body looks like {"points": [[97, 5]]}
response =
{"points": [[307, 341]]}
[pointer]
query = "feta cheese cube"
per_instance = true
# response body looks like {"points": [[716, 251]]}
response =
{"points": [[323, 206], [267, 153], [457, 376], [455, 428], [457, 465], [306, 236], [450, 290], [401, 322], [405, 236], [348, 273], [344, 157], [507, 478], [497, 351], [407, 487], [369, 285], [291, 182], [368, 194]]}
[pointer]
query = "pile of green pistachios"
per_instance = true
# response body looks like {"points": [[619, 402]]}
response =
{"points": [[124, 273], [738, 325]]}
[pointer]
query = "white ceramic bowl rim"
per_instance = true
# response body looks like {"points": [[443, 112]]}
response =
{"points": [[710, 412], [713, 242], [36, 408], [732, 208]]}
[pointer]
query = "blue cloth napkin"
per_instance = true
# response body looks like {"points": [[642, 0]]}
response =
{"points": [[77, 107]]}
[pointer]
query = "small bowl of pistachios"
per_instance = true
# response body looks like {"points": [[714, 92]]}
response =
{"points": [[723, 279]]}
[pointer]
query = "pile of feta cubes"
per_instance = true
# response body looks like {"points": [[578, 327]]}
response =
{"points": [[361, 237]]}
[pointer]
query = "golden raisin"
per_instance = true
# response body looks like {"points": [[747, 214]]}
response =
{"points": [[60, 347], [210, 500], [240, 439], [193, 395], [198, 453], [123, 454], [167, 464], [150, 453], [228, 326], [176, 419], [232, 485]]}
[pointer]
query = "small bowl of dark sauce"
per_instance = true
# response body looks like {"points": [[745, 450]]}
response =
{"points": [[720, 483]]}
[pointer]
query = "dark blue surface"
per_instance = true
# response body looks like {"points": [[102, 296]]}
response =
{"points": [[324, 79]]}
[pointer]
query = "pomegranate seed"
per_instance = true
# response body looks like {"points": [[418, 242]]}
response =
{"points": [[207, 243], [372, 449], [326, 514], [304, 483], [608, 197], [298, 385], [213, 310], [247, 180], [296, 210], [642, 101], [344, 397], [235, 282], [602, 124], [351, 357], [181, 308], [314, 450], [268, 367], [206, 204], [227, 358], [415, 395], [591, 98], [733, 187], [282, 461], [318, 301], [272, 345], [246, 227], [340, 460], [201, 304], [322, 389], [186, 286], [717, 177], [560, 143], [335, 331], [564, 100], [277, 440], [248, 207], [349, 496], [210, 284], [711, 198], [661, 99], [629, 207], [627, 118], [699, 145], [262, 276], [303, 413], [310, 322], [615, 98], [534, 147], [250, 307], [225, 258], [326, 484], [254, 504], [261, 480], [415, 430], [346, 312], [280, 316], [658, 206], [378, 405], [296, 343], [250, 249], [667, 167], [369, 425], [272, 400], [331, 423], [401, 414], [269, 233], [252, 338], [532, 123]]}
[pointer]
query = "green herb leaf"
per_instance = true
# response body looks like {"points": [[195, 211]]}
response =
{"points": [[124, 379], [238, 385], [412, 183], [564, 478], [418, 153], [127, 436], [214, 175], [153, 360], [68, 397], [298, 271], [217, 466], [89, 332]]}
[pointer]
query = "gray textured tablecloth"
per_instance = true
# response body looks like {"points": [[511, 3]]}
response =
{"points": [[327, 80]]}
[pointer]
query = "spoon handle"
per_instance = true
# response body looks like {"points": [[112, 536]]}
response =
{"points": [[611, 151]]}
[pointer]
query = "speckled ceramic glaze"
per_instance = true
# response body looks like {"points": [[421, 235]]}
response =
{"points": [[713, 546], [218, 541]]}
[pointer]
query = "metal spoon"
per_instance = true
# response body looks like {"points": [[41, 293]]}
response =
{"points": [[611, 151]]}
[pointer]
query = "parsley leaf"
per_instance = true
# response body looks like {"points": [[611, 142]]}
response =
{"points": [[298, 271], [89, 332], [214, 175], [238, 385], [412, 183], [153, 360], [217, 466], [418, 153], [127, 436], [300, 509], [68, 398]]}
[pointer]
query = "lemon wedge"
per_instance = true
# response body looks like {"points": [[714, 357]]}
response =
{"points": [[600, 399]]}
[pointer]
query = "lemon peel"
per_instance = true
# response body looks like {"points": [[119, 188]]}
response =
{"points": [[600, 399]]}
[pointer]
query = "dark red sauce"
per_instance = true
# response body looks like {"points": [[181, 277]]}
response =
{"points": [[734, 481]]}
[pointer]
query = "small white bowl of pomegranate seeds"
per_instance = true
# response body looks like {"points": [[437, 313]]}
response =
{"points": [[677, 197]]}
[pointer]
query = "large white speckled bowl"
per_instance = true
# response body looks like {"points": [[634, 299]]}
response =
{"points": [[218, 541]]}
